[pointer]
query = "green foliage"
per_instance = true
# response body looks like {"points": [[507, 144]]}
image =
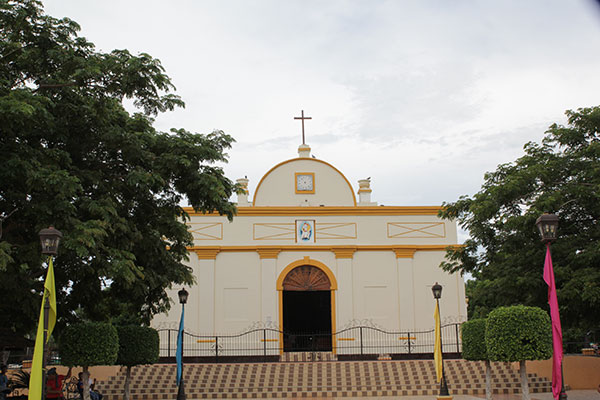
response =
{"points": [[89, 343], [71, 156], [518, 333], [137, 345], [473, 340], [504, 253]]}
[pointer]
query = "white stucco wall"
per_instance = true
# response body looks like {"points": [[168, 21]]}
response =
{"points": [[384, 259]]}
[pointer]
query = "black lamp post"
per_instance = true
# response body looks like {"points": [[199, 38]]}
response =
{"points": [[548, 226], [49, 239], [437, 294], [183, 296]]}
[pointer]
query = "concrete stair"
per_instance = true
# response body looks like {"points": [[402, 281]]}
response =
{"points": [[317, 379]]}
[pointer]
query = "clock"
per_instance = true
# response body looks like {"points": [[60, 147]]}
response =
{"points": [[305, 182]]}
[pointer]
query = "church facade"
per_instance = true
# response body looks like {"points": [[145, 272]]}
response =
{"points": [[307, 256]]}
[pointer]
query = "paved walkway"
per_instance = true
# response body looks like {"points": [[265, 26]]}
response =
{"points": [[572, 395]]}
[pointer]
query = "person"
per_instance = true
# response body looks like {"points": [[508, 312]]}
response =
{"points": [[54, 384], [94, 395], [4, 390]]}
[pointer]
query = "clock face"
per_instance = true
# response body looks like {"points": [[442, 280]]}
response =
{"points": [[304, 183]]}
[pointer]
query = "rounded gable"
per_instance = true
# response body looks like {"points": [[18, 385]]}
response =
{"points": [[278, 186]]}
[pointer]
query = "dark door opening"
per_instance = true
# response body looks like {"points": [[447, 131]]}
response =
{"points": [[307, 320]]}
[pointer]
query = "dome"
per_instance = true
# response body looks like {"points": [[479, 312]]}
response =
{"points": [[304, 181]]}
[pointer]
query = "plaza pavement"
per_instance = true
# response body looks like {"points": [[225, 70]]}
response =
{"points": [[572, 395]]}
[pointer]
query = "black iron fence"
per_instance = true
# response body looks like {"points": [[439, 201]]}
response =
{"points": [[269, 343]]}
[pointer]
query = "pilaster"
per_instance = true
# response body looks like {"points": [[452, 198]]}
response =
{"points": [[345, 297], [206, 290], [406, 292], [268, 290]]}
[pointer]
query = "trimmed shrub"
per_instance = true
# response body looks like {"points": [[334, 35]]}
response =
{"points": [[473, 340], [518, 333], [137, 345], [89, 343]]}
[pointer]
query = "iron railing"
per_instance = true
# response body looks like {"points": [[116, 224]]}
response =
{"points": [[266, 342]]}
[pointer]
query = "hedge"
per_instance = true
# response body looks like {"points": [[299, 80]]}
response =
{"points": [[473, 340], [137, 345], [89, 343], [518, 333]]}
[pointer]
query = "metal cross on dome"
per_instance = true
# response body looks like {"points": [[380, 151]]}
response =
{"points": [[302, 118]]}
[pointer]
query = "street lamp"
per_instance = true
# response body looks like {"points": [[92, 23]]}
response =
{"points": [[183, 296], [437, 294], [548, 226], [49, 239]]}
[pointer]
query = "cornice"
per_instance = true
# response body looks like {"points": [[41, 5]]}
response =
{"points": [[331, 210], [401, 251]]}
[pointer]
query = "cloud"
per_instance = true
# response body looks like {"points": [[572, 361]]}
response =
{"points": [[423, 96]]}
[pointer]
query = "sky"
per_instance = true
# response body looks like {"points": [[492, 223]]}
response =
{"points": [[424, 96]]}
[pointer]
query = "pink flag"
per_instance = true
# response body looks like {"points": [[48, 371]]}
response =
{"points": [[556, 328]]}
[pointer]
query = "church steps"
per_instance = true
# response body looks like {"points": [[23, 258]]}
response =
{"points": [[317, 379]]}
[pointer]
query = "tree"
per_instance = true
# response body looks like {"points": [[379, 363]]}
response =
{"points": [[137, 345], [474, 348], [86, 344], [519, 333], [504, 254], [72, 156]]}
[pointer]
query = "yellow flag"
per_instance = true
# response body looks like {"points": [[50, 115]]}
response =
{"points": [[35, 380], [437, 350]]}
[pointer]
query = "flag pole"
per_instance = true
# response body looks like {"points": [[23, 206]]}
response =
{"points": [[50, 239], [183, 296], [548, 227], [438, 355]]}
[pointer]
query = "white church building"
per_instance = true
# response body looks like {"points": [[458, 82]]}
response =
{"points": [[307, 255]]}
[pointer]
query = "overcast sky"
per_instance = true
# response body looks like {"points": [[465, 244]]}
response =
{"points": [[422, 96]]}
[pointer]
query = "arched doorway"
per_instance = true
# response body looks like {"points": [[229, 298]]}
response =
{"points": [[307, 309]]}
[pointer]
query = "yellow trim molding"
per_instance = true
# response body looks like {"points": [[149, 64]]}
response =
{"points": [[312, 174], [401, 251], [268, 253], [302, 159], [344, 252], [331, 210], [405, 253], [408, 228], [201, 230], [279, 285], [306, 261], [274, 231], [206, 253], [326, 230]]}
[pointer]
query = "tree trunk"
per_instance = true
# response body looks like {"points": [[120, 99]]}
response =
{"points": [[85, 377], [524, 382], [488, 380], [127, 380]]}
